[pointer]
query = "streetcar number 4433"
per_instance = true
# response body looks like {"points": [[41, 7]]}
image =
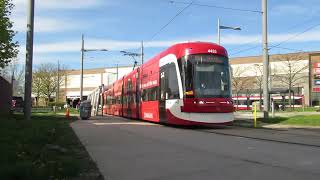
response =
{"points": [[212, 51]]}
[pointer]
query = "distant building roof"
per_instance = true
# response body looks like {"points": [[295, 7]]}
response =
{"points": [[273, 57], [92, 71]]}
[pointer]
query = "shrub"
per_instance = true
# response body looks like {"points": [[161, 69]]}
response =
{"points": [[58, 104]]}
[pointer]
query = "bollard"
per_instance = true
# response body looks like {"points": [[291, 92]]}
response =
{"points": [[68, 113], [255, 114]]}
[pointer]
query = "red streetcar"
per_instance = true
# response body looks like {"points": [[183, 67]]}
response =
{"points": [[187, 84]]}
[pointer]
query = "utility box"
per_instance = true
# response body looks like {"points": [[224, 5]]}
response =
{"points": [[85, 110]]}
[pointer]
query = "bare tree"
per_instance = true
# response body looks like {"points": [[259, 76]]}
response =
{"points": [[258, 72], [291, 70], [14, 73], [240, 82], [45, 80], [37, 85], [19, 77]]}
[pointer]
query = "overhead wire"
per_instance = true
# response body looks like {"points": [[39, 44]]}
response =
{"points": [[218, 7], [196, 4], [291, 49], [278, 45], [171, 20], [296, 35], [244, 50]]}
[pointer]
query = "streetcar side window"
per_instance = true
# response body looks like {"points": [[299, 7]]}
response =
{"points": [[153, 95], [150, 94]]}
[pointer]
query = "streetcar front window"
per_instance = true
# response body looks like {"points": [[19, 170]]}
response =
{"points": [[205, 76]]}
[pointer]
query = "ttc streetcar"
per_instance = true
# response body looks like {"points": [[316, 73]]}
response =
{"points": [[187, 84]]}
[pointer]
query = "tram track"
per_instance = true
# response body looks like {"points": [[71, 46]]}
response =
{"points": [[268, 139]]}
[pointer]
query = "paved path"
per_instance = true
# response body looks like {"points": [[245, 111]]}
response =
{"points": [[134, 150]]}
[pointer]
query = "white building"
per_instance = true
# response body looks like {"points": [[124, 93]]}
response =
{"points": [[92, 78]]}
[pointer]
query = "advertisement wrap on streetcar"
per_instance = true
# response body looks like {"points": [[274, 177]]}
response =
{"points": [[187, 84]]}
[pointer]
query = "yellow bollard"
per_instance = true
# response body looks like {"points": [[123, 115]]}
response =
{"points": [[255, 114]]}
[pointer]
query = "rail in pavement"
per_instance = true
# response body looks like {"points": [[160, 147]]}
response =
{"points": [[288, 136]]}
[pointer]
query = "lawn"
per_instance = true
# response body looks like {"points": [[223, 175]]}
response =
{"points": [[287, 109], [307, 120], [42, 148], [300, 109]]}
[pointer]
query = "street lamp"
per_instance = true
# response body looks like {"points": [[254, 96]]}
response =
{"points": [[87, 50], [225, 27], [82, 57]]}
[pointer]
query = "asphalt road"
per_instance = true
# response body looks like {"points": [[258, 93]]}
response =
{"points": [[135, 150]]}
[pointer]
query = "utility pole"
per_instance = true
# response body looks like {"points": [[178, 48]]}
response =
{"points": [[142, 52], [117, 72], [12, 84], [58, 85], [218, 38], [82, 58], [265, 60], [29, 56], [81, 76]]}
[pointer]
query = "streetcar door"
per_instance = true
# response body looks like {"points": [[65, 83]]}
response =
{"points": [[138, 95], [162, 94]]}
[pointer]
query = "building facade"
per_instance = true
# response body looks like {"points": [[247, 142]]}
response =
{"points": [[295, 71], [92, 78]]}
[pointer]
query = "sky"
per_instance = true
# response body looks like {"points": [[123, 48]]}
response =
{"points": [[116, 25]]}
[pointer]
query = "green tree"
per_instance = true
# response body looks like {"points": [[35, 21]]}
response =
{"points": [[8, 47]]}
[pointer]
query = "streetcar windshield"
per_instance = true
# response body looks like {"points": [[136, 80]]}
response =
{"points": [[205, 76]]}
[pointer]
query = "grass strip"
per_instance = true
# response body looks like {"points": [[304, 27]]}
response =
{"points": [[43, 148], [306, 120]]}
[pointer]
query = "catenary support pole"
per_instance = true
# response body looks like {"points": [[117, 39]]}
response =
{"points": [[142, 52], [117, 72], [29, 57], [58, 83], [265, 60], [81, 76], [218, 34]]}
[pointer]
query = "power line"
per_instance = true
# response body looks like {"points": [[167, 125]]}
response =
{"points": [[298, 25], [181, 11], [278, 45], [247, 43], [218, 7], [291, 49], [296, 35], [247, 49]]}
